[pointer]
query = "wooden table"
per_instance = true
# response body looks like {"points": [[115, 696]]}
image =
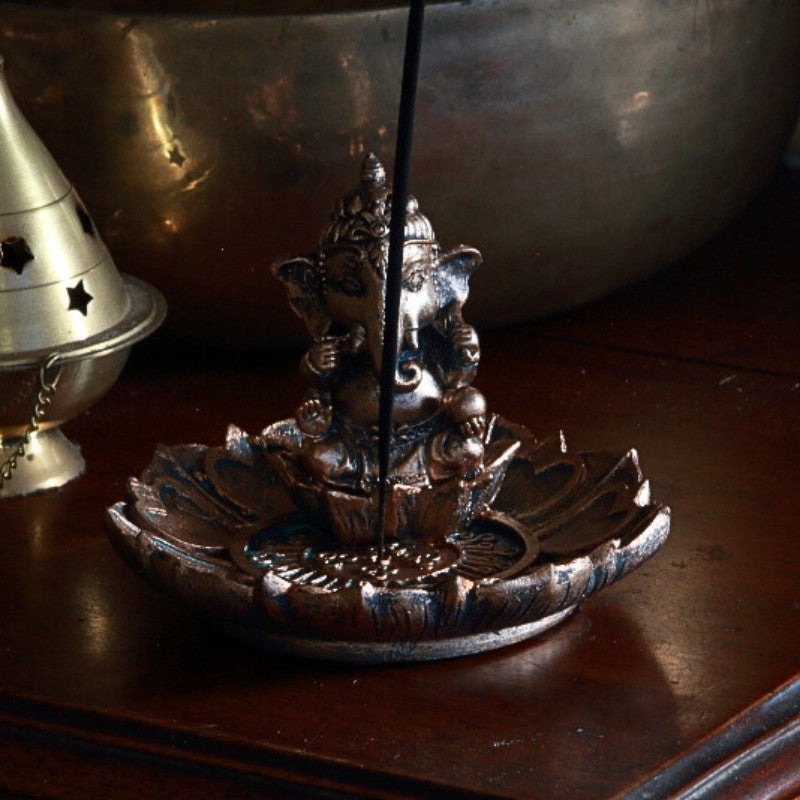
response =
{"points": [[110, 690]]}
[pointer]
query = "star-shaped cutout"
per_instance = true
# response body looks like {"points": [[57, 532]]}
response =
{"points": [[85, 219], [176, 157], [15, 254], [79, 298]]}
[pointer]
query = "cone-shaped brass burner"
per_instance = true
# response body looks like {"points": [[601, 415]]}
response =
{"points": [[67, 316]]}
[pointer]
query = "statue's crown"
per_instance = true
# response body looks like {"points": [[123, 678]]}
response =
{"points": [[361, 218]]}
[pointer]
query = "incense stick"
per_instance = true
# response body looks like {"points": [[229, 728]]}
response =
{"points": [[402, 163]]}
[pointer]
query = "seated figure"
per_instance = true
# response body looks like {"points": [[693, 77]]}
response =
{"points": [[339, 291]]}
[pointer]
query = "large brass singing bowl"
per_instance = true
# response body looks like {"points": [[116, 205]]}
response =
{"points": [[580, 145]]}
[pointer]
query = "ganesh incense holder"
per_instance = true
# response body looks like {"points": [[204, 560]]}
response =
{"points": [[483, 535]]}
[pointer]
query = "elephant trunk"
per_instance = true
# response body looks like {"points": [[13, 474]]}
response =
{"points": [[408, 375]]}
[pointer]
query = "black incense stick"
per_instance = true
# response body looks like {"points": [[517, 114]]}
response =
{"points": [[402, 163]]}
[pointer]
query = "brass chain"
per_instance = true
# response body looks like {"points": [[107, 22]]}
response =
{"points": [[47, 390]]}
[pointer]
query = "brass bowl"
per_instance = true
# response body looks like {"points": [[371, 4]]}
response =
{"points": [[80, 385], [50, 459], [85, 371], [579, 145]]}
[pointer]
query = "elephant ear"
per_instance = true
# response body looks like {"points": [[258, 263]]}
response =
{"points": [[301, 276], [455, 269]]}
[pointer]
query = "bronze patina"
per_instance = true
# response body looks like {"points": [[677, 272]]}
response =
{"points": [[442, 468], [491, 536]]}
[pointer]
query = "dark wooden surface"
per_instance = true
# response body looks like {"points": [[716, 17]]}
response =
{"points": [[108, 689]]}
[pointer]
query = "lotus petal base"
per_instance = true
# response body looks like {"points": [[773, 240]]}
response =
{"points": [[216, 527]]}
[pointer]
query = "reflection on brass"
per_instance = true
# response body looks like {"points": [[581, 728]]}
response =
{"points": [[599, 140], [492, 536], [62, 302], [44, 397]]}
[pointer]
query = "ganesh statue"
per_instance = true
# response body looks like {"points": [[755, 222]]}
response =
{"points": [[486, 536], [447, 460]]}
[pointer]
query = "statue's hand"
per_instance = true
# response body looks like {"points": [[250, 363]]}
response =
{"points": [[465, 340], [474, 427], [467, 409], [314, 417], [323, 356]]}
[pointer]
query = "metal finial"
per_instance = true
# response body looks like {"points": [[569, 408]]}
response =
{"points": [[372, 171]]}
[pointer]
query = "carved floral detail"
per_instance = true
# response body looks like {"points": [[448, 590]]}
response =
{"points": [[218, 527]]}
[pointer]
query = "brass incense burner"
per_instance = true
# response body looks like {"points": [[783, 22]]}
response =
{"points": [[67, 317], [491, 536]]}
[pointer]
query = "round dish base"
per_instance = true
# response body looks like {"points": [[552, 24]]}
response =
{"points": [[50, 461], [399, 651], [217, 528]]}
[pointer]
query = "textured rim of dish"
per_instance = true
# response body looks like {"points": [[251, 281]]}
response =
{"points": [[398, 652], [374, 621]]}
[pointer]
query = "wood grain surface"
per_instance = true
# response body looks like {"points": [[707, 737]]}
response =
{"points": [[108, 689]]}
